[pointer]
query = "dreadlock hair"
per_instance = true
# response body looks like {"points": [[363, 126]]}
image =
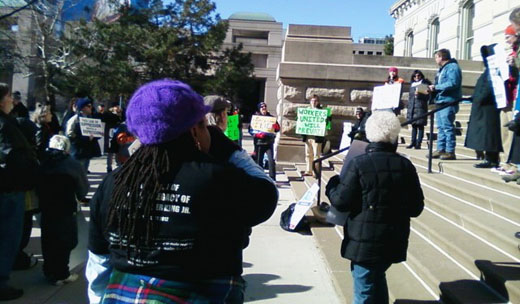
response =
{"points": [[136, 186]]}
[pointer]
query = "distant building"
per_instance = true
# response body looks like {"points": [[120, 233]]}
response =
{"points": [[369, 46], [462, 26], [16, 36], [262, 36]]}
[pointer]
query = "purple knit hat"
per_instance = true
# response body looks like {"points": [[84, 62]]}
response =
{"points": [[161, 110]]}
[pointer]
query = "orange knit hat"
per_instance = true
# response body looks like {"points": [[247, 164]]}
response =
{"points": [[510, 30]]}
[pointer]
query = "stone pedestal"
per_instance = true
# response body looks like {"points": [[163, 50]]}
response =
{"points": [[318, 60]]}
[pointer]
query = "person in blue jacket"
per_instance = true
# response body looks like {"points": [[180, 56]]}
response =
{"points": [[448, 88]]}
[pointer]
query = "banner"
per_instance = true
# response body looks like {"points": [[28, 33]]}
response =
{"points": [[232, 131], [262, 123], [91, 127], [311, 122], [386, 96]]}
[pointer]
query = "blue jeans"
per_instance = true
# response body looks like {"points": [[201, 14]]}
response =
{"points": [[446, 129], [369, 283], [12, 208]]}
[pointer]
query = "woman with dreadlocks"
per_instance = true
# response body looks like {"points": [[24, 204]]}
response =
{"points": [[164, 227]]}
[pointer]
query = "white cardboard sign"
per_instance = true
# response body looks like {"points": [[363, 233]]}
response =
{"points": [[386, 96], [345, 140], [91, 127], [263, 123], [498, 73], [303, 205]]}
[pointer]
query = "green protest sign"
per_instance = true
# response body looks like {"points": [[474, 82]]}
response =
{"points": [[329, 120], [232, 131], [311, 122]]}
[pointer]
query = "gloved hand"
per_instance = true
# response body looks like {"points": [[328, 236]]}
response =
{"points": [[276, 127], [221, 147], [333, 183], [513, 125]]}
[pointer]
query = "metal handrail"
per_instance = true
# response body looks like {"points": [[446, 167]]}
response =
{"points": [[430, 148], [318, 172]]}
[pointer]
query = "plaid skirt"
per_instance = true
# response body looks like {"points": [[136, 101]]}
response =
{"points": [[132, 288]]}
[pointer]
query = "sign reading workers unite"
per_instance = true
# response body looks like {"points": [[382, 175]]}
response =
{"points": [[311, 122]]}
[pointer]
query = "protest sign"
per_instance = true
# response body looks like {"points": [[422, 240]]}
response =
{"points": [[386, 96], [311, 122], [232, 131], [498, 73], [260, 123], [345, 139], [91, 127], [303, 205]]}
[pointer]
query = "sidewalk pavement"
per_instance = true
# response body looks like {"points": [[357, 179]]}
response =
{"points": [[279, 267]]}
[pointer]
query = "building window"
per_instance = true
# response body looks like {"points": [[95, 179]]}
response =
{"points": [[379, 53], [354, 52], [259, 60], [370, 53], [361, 52], [409, 45], [468, 14], [434, 37]]}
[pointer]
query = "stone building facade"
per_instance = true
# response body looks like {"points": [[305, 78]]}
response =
{"points": [[16, 34], [369, 46], [262, 36], [462, 26], [319, 60]]}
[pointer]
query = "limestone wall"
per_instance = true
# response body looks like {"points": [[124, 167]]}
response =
{"points": [[316, 61]]}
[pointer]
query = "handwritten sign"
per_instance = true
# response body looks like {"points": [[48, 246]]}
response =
{"points": [[232, 131], [498, 73], [262, 123], [311, 122], [91, 127], [386, 96]]}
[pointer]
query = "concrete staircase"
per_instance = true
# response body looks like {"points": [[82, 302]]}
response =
{"points": [[462, 247]]}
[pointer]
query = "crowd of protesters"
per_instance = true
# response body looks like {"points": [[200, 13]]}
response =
{"points": [[163, 226], [43, 173]]}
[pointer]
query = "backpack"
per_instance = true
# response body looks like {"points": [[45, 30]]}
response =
{"points": [[285, 220]]}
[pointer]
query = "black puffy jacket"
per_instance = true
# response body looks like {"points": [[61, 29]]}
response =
{"points": [[18, 164], [381, 191]]}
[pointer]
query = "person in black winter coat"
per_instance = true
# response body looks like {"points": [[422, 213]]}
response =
{"points": [[484, 120], [19, 110], [417, 106], [83, 148], [42, 117], [358, 129], [18, 167], [380, 190], [62, 180]]}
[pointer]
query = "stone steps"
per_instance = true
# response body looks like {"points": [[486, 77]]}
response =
{"points": [[402, 284], [463, 169], [462, 247]]}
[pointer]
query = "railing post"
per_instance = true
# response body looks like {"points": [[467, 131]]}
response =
{"points": [[318, 176], [430, 145]]}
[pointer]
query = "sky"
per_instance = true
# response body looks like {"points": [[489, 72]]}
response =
{"points": [[367, 18]]}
